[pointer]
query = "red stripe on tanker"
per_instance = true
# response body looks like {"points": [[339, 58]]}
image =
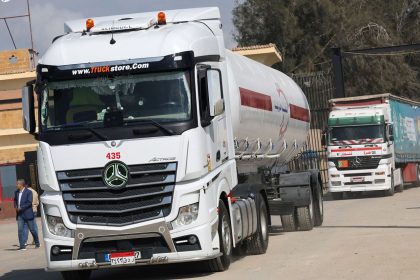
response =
{"points": [[299, 113], [256, 100]]}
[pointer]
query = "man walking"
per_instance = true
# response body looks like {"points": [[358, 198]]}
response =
{"points": [[35, 203], [24, 214]]}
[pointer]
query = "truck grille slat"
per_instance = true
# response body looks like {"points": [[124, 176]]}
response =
{"points": [[117, 208], [99, 185], [148, 195], [118, 196]]}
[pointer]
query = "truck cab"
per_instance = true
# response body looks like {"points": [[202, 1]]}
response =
{"points": [[360, 146], [136, 152]]}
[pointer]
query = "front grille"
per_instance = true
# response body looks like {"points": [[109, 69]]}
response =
{"points": [[148, 195], [354, 163]]}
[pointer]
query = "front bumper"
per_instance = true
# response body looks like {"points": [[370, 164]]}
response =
{"points": [[160, 229], [359, 180]]}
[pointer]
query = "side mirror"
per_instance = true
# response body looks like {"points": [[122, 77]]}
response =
{"points": [[390, 132], [324, 139], [214, 86], [28, 109]]}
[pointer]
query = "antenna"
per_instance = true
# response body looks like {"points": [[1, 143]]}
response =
{"points": [[112, 34]]}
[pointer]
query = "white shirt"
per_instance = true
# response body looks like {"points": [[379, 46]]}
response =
{"points": [[20, 196]]}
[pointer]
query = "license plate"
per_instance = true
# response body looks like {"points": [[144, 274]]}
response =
{"points": [[358, 179], [123, 258]]}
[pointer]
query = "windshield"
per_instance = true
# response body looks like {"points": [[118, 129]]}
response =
{"points": [[161, 97], [368, 134]]}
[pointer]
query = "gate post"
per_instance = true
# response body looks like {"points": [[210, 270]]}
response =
{"points": [[338, 73]]}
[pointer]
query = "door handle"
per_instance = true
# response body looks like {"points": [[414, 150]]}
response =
{"points": [[218, 155]]}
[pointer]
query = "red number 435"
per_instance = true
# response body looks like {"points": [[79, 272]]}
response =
{"points": [[113, 155]]}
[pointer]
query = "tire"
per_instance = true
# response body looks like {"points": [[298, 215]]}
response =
{"points": [[305, 215], [400, 188], [257, 244], [222, 263], [391, 191], [319, 206], [337, 195], [289, 222], [418, 175], [76, 274]]}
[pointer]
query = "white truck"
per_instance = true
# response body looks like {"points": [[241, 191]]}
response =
{"points": [[373, 144], [158, 145]]}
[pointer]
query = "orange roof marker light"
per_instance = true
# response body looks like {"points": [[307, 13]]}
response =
{"points": [[161, 18], [89, 24]]}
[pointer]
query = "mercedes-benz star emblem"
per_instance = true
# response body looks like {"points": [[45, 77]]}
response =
{"points": [[357, 162], [115, 174]]}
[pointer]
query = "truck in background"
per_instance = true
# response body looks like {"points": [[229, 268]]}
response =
{"points": [[158, 145], [373, 144]]}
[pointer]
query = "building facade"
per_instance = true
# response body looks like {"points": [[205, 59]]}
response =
{"points": [[17, 147]]}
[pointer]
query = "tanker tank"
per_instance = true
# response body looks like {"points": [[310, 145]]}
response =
{"points": [[270, 113]]}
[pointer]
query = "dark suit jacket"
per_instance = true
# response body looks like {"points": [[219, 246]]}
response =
{"points": [[26, 211]]}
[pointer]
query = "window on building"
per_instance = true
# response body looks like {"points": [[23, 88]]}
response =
{"points": [[8, 181]]}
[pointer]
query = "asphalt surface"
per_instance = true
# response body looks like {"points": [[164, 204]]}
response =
{"points": [[369, 237]]}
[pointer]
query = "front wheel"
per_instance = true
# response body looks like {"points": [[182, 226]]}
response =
{"points": [[391, 191], [258, 243], [76, 274], [418, 175], [222, 263]]}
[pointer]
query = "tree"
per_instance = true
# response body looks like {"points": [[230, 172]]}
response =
{"points": [[305, 30]]}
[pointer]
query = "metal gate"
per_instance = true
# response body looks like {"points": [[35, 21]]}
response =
{"points": [[318, 88]]}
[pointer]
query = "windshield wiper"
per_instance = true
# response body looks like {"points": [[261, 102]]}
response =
{"points": [[84, 127], [158, 125]]}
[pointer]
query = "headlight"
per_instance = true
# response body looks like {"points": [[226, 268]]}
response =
{"points": [[186, 215], [56, 226]]}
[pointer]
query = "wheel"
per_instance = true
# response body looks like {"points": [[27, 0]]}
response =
{"points": [[400, 188], [319, 206], [289, 222], [257, 244], [225, 240], [337, 195], [418, 175], [391, 191], [76, 274], [305, 215]]}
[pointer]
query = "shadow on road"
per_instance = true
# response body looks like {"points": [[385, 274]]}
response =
{"points": [[276, 230], [157, 272], [390, 227]]}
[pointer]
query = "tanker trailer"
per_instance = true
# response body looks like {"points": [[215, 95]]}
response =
{"points": [[270, 122], [157, 145]]}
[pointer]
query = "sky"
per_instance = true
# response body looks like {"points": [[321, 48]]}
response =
{"points": [[48, 17]]}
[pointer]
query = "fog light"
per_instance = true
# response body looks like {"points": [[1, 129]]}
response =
{"points": [[192, 240], [380, 181], [335, 175], [56, 226], [336, 183], [55, 250]]}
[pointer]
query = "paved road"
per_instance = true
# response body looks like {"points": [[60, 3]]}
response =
{"points": [[371, 237]]}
